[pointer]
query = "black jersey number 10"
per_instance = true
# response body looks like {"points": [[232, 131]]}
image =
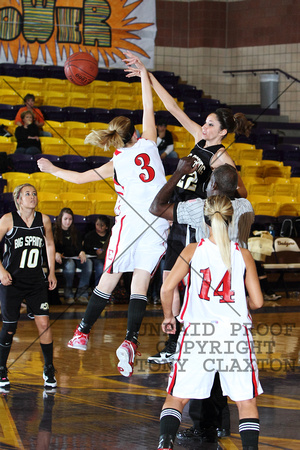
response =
{"points": [[29, 259]]}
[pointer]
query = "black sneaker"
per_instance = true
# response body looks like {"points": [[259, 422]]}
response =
{"points": [[166, 442], [4, 381], [165, 356], [202, 435], [222, 432], [49, 376]]}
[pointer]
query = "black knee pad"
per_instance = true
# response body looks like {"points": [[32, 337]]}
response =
{"points": [[7, 333]]}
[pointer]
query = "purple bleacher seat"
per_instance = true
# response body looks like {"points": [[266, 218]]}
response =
{"points": [[191, 105], [100, 115], [75, 162], [118, 75], [7, 202], [187, 90], [56, 160], [3, 183], [293, 140], [97, 161], [295, 167], [165, 77], [292, 155], [81, 224], [210, 104], [55, 72], [37, 71], [261, 136], [53, 113], [167, 117], [9, 111], [74, 113], [104, 74], [22, 163], [139, 115], [286, 147], [131, 114], [273, 154], [13, 70]]}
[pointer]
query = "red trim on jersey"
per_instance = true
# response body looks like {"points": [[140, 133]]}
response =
{"points": [[117, 152], [171, 386], [254, 381], [109, 270], [187, 295], [157, 265]]}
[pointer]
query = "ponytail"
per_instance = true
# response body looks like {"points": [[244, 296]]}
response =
{"points": [[119, 132], [237, 123], [218, 212]]}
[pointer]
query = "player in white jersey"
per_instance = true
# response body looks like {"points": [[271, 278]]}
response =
{"points": [[216, 335], [138, 240]]}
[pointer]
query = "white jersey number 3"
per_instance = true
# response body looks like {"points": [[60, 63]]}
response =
{"points": [[143, 160]]}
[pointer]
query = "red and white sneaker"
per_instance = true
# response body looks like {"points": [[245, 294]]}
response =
{"points": [[126, 353], [79, 340]]}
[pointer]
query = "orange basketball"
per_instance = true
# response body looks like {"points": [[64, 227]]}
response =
{"points": [[81, 68]]}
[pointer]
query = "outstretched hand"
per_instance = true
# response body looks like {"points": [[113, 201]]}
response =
{"points": [[187, 165], [133, 60]]}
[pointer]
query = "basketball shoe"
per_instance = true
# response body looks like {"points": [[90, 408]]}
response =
{"points": [[126, 353], [49, 376], [166, 442], [79, 340], [166, 355], [4, 381]]}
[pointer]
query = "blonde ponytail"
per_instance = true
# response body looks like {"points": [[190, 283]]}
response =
{"points": [[219, 211], [119, 132]]}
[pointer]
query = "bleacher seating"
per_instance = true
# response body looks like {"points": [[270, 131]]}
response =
{"points": [[259, 157]]}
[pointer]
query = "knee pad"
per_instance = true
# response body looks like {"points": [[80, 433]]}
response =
{"points": [[7, 333]]}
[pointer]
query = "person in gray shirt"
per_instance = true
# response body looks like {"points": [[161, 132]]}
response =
{"points": [[223, 180]]}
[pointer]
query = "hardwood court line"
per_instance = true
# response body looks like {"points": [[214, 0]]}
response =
{"points": [[227, 444], [9, 435], [104, 405], [274, 401]]}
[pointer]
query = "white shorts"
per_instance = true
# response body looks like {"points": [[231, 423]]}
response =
{"points": [[135, 245], [217, 348]]}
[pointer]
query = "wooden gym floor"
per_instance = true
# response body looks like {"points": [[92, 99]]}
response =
{"points": [[96, 408]]}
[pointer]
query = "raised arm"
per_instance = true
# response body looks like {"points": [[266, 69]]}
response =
{"points": [[102, 172], [169, 102], [160, 205], [149, 129]]}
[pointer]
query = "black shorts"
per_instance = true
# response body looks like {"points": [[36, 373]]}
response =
{"points": [[177, 241], [34, 292]]}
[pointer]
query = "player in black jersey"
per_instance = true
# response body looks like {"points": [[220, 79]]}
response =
{"points": [[27, 234]]}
